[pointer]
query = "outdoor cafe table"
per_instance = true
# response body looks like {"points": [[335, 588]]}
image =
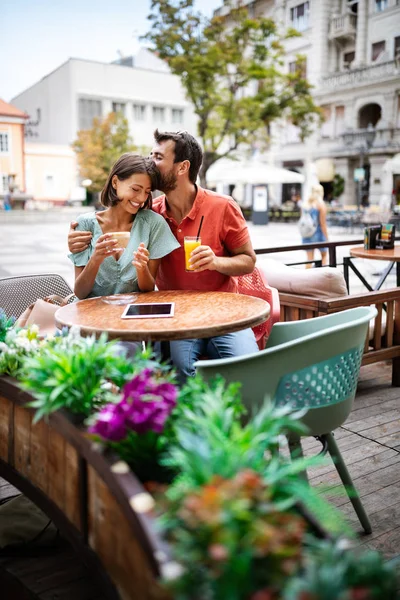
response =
{"points": [[393, 256], [197, 315]]}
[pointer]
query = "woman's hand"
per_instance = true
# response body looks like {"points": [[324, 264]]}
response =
{"points": [[105, 246], [141, 257]]}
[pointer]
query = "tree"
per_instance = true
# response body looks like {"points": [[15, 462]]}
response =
{"points": [[98, 148], [231, 69]]}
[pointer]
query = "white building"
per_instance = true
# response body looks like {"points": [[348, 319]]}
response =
{"points": [[67, 99], [352, 49]]}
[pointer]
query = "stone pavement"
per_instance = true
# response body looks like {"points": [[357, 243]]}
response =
{"points": [[36, 242]]}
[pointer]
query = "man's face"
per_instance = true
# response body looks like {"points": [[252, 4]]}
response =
{"points": [[163, 154]]}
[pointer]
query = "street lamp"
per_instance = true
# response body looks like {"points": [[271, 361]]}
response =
{"points": [[365, 145]]}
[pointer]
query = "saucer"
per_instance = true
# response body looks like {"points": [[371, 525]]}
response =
{"points": [[120, 299]]}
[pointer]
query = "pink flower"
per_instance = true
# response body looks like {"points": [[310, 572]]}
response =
{"points": [[145, 406]]}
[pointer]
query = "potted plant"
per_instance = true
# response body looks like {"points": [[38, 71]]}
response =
{"points": [[232, 507]]}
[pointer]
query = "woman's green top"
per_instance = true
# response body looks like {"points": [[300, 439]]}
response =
{"points": [[119, 276]]}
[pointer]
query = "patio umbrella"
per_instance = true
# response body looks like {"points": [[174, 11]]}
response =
{"points": [[253, 172]]}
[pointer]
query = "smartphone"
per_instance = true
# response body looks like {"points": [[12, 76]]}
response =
{"points": [[142, 311]]}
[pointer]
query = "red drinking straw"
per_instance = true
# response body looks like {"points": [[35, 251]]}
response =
{"points": [[201, 223]]}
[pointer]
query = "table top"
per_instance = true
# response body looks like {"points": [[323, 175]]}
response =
{"points": [[197, 315], [392, 255]]}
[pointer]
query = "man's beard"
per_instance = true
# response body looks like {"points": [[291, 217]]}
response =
{"points": [[168, 182]]}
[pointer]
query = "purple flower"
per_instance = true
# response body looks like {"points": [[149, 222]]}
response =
{"points": [[110, 423], [145, 406], [147, 402]]}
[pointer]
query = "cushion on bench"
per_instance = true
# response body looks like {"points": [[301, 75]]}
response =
{"points": [[323, 282]]}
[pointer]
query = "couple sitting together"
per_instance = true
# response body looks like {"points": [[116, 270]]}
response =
{"points": [[157, 239]]}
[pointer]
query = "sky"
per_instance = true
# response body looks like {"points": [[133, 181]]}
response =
{"points": [[37, 36]]}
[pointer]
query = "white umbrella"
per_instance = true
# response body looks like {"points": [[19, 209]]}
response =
{"points": [[254, 172], [392, 165]]}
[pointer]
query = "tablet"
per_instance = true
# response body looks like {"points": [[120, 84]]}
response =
{"points": [[156, 309]]}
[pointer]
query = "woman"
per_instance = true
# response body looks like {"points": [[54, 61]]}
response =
{"points": [[103, 268], [314, 205]]}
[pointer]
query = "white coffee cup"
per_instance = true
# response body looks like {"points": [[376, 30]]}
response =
{"points": [[122, 237]]}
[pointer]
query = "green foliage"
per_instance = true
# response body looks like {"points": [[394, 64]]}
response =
{"points": [[213, 439], [231, 540], [338, 185], [98, 148], [18, 344], [219, 62], [76, 373], [5, 324], [334, 572]]}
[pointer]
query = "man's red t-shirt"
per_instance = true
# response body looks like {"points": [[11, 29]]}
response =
{"points": [[224, 229]]}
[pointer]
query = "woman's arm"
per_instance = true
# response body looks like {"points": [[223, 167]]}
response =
{"points": [[322, 219], [146, 269]]}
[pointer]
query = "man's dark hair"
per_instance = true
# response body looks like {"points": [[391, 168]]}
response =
{"points": [[123, 168], [186, 148]]}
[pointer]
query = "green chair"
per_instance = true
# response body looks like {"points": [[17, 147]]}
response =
{"points": [[311, 364]]}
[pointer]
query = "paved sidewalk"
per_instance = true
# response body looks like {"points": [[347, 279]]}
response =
{"points": [[36, 242]]}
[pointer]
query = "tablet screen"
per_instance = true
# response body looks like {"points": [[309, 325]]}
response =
{"points": [[137, 311]]}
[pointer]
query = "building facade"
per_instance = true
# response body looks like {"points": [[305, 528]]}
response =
{"points": [[352, 50], [12, 142], [68, 99]]}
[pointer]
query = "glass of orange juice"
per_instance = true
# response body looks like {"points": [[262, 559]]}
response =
{"points": [[189, 244]]}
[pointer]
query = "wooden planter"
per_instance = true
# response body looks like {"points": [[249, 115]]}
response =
{"points": [[88, 498]]}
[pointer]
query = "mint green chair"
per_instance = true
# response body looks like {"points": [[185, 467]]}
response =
{"points": [[311, 364]]}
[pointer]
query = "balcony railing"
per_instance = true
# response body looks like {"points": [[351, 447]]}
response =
{"points": [[371, 73], [358, 138], [343, 26]]}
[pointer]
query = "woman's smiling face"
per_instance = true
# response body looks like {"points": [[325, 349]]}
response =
{"points": [[132, 192]]}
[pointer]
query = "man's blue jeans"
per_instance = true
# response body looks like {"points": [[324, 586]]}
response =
{"points": [[184, 353]]}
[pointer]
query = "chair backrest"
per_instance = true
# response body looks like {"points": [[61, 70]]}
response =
{"points": [[311, 364], [17, 293], [255, 284]]}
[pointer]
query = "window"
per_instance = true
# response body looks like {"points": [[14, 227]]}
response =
{"points": [[159, 114], [3, 143], [177, 115], [398, 111], [118, 107], [139, 112], [397, 47], [380, 5], [49, 184], [339, 120], [4, 183], [298, 65], [299, 16], [377, 50], [87, 110], [348, 58], [327, 125]]}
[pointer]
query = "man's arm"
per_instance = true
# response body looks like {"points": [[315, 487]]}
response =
{"points": [[241, 261]]}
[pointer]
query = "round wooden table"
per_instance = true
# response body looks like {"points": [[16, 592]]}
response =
{"points": [[197, 315], [392, 255]]}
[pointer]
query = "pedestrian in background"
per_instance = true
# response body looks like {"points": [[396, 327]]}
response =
{"points": [[315, 206]]}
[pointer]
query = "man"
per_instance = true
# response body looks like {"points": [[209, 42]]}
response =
{"points": [[225, 252]]}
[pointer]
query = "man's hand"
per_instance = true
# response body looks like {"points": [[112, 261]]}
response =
{"points": [[203, 258], [78, 240]]}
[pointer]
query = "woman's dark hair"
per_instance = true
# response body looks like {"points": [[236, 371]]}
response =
{"points": [[186, 148], [128, 164]]}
